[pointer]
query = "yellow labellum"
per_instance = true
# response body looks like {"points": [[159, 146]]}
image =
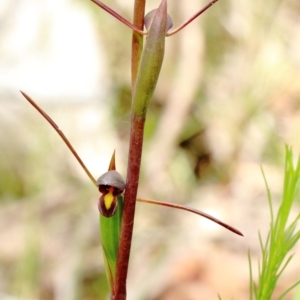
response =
{"points": [[108, 198]]}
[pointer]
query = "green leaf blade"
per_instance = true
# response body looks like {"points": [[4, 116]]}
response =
{"points": [[110, 234]]}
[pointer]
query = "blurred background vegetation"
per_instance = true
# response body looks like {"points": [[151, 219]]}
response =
{"points": [[227, 101]]}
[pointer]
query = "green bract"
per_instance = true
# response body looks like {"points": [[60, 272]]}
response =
{"points": [[151, 61]]}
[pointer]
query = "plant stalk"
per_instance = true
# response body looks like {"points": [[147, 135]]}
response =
{"points": [[134, 162], [135, 154], [137, 39]]}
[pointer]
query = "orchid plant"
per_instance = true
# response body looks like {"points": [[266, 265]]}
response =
{"points": [[118, 198]]}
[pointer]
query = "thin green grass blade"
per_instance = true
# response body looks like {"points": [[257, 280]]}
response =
{"points": [[255, 290], [281, 237], [285, 265], [251, 276], [281, 297], [290, 230], [269, 196], [294, 239]]}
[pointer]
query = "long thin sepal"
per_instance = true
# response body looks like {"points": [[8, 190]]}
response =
{"points": [[119, 17], [200, 12], [61, 134], [192, 210]]}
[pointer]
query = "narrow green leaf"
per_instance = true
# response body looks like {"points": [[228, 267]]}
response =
{"points": [[269, 196], [285, 265], [288, 290], [294, 239], [110, 233], [251, 276]]}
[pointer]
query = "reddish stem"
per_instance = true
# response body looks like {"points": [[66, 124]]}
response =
{"points": [[134, 163], [137, 39]]}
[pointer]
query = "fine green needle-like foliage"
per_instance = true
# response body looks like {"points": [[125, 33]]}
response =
{"points": [[281, 238]]}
